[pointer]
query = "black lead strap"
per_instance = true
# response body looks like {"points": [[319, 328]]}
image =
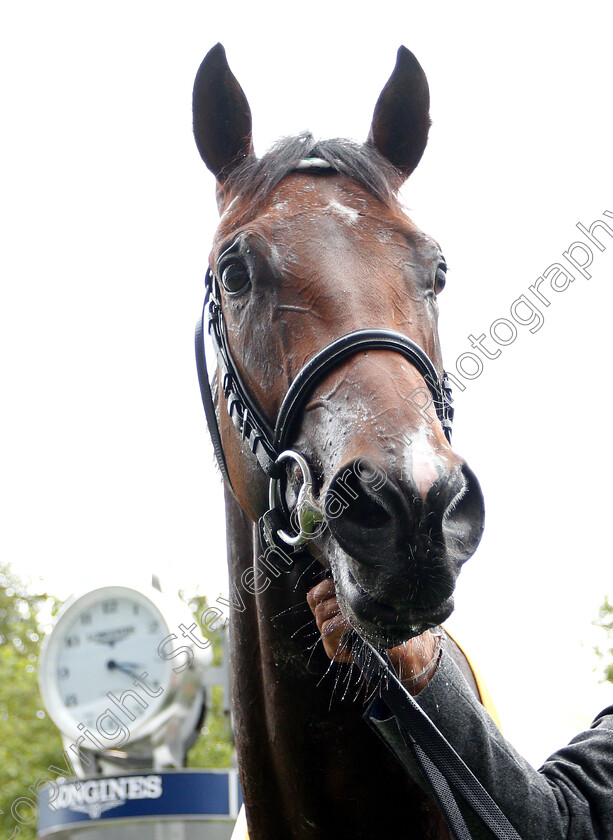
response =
{"points": [[447, 774]]}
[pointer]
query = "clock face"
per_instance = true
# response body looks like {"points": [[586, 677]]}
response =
{"points": [[101, 643]]}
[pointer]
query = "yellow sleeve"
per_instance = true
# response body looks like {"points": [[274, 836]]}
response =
{"points": [[484, 694]]}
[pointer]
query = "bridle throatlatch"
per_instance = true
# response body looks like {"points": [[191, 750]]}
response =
{"points": [[280, 529]]}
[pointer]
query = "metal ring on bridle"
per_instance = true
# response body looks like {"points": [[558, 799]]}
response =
{"points": [[307, 512]]}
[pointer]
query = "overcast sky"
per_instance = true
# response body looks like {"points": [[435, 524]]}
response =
{"points": [[107, 218]]}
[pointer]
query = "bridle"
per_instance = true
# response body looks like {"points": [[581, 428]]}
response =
{"points": [[271, 445], [420, 741]]}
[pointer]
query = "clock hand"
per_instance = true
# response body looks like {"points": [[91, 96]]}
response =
{"points": [[126, 667]]}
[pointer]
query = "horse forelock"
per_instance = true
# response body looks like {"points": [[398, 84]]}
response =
{"points": [[255, 179]]}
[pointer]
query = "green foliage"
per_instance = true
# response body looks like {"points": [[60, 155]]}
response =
{"points": [[29, 742], [214, 747], [605, 652]]}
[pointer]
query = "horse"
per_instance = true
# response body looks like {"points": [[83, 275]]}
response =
{"points": [[331, 421]]}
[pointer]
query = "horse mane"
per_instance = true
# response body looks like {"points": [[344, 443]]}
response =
{"points": [[256, 178]]}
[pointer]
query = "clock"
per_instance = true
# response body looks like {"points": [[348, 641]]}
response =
{"points": [[107, 680]]}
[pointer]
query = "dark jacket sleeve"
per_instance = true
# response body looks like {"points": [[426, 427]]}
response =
{"points": [[569, 798]]}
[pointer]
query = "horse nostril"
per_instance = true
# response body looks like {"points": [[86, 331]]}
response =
{"points": [[367, 511], [464, 519]]}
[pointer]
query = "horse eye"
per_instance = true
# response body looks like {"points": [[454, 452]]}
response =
{"points": [[440, 278], [235, 278]]}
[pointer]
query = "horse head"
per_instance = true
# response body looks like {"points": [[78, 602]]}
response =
{"points": [[313, 245]]}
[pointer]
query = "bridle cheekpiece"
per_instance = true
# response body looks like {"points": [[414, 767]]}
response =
{"points": [[271, 446]]}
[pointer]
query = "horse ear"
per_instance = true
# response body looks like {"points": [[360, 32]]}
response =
{"points": [[222, 117], [401, 119]]}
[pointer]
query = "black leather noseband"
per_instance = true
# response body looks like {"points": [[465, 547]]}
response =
{"points": [[348, 345], [266, 443]]}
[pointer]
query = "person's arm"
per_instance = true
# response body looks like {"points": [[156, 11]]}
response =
{"points": [[569, 798]]}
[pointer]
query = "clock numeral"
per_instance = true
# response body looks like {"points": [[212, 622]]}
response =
{"points": [[153, 626], [109, 606], [135, 609], [71, 700], [62, 673], [86, 618], [72, 641]]}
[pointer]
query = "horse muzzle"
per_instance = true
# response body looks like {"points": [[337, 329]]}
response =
{"points": [[397, 548]]}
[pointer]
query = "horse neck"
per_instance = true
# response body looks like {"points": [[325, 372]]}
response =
{"points": [[305, 756], [240, 539]]}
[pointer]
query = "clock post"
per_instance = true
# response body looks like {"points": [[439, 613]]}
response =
{"points": [[127, 688]]}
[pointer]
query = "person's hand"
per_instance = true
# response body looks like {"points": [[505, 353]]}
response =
{"points": [[414, 660]]}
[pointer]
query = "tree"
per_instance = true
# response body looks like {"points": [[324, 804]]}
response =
{"points": [[29, 742], [214, 747], [605, 620]]}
